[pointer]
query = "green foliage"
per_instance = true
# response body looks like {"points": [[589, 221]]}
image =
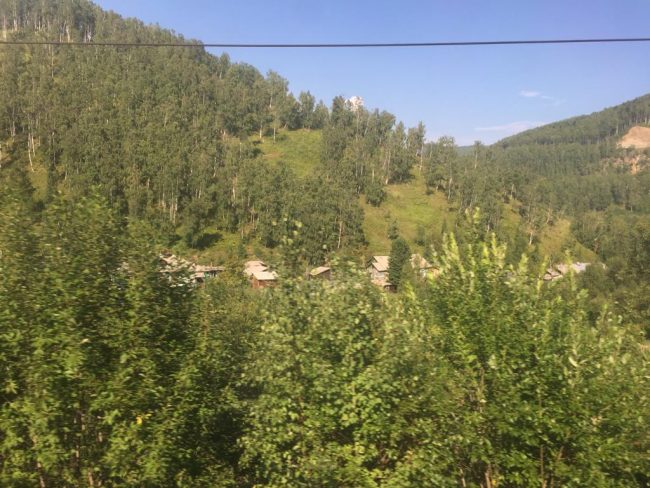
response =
{"points": [[301, 426], [393, 230], [159, 132], [399, 259], [375, 194], [116, 374], [539, 379]]}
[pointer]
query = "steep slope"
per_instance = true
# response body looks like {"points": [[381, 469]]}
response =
{"points": [[154, 129], [421, 218], [183, 139]]}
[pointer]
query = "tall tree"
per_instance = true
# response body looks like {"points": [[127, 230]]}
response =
{"points": [[400, 258]]}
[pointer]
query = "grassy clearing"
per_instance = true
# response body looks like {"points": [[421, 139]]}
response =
{"points": [[38, 179], [300, 149], [556, 240], [410, 207]]}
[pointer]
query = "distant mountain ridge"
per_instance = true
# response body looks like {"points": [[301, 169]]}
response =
{"points": [[602, 126]]}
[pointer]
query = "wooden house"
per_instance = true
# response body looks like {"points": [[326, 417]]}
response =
{"points": [[171, 264], [264, 279], [201, 273], [378, 268]]}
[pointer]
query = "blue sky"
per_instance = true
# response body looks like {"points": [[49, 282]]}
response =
{"points": [[471, 93]]}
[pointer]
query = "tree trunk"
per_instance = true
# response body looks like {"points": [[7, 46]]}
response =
{"points": [[338, 246]]}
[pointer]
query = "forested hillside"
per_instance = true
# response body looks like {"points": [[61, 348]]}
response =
{"points": [[576, 169], [573, 170], [167, 134], [115, 371]]}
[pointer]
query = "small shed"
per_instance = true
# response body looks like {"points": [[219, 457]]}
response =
{"points": [[202, 272], [264, 279], [321, 273], [423, 267], [551, 274], [579, 267]]}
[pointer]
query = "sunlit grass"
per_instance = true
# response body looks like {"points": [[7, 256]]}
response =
{"points": [[300, 149], [410, 207]]}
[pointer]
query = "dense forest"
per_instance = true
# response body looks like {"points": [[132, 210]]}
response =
{"points": [[167, 134], [115, 374]]}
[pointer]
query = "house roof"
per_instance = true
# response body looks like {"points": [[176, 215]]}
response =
{"points": [[250, 267], [173, 263], [559, 270], [319, 270], [562, 268], [260, 275], [380, 263], [579, 267], [201, 268]]}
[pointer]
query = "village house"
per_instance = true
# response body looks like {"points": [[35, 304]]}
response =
{"points": [[202, 272], [256, 265], [259, 274], [198, 273], [264, 279], [423, 267], [378, 270]]}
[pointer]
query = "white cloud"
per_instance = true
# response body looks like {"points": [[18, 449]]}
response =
{"points": [[541, 96], [511, 128]]}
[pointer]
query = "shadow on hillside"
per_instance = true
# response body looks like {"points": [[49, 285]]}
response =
{"points": [[207, 239]]}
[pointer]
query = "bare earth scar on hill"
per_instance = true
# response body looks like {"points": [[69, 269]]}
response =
{"points": [[637, 137]]}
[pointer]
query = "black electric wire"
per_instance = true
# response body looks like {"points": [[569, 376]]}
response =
{"points": [[326, 45]]}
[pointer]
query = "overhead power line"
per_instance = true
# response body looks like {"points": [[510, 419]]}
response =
{"points": [[326, 45]]}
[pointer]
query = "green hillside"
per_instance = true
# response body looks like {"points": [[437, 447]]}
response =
{"points": [[122, 366], [407, 204]]}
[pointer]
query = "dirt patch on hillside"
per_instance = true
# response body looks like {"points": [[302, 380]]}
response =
{"points": [[635, 163], [637, 137]]}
